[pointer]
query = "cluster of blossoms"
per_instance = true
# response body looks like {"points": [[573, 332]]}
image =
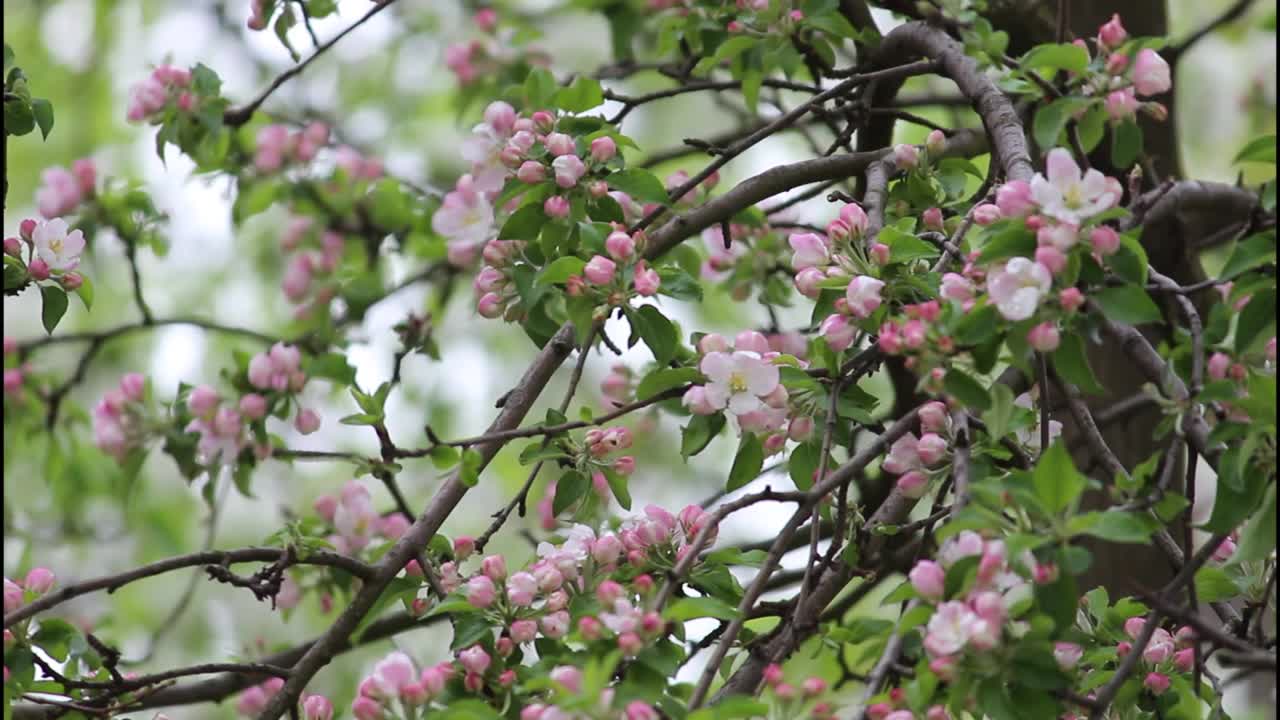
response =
{"points": [[744, 378], [354, 520], [592, 460], [309, 278], [980, 618], [1124, 81], [916, 460], [17, 593], [895, 708], [484, 57], [1166, 654], [791, 700], [748, 260], [254, 700], [276, 146], [120, 417], [167, 84], [120, 420], [61, 190], [53, 251]]}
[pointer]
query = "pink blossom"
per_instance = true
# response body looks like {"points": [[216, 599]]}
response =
{"points": [[950, 629], [933, 416], [1218, 365], [905, 156], [600, 270], [532, 172], [965, 544], [1116, 64], [713, 342], [957, 288], [1151, 74], [556, 207], [1071, 299], [57, 248], [1157, 683], [568, 169], [809, 250], [39, 580], [646, 280], [1043, 337], [307, 421], [1018, 287], [986, 214], [738, 381], [935, 142], [1184, 659], [465, 215], [863, 295], [838, 332], [1121, 104], [475, 659], [1224, 551], [60, 192], [902, 455], [619, 245], [932, 218], [490, 306], [603, 149], [521, 589], [931, 448], [855, 218], [1013, 199], [556, 624], [640, 710], [928, 577], [1112, 34], [393, 673], [1105, 240], [697, 402]]}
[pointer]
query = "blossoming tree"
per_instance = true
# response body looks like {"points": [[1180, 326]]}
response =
{"points": [[1027, 278]]}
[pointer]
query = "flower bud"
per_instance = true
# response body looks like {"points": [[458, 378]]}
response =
{"points": [[603, 149], [39, 269], [556, 206], [936, 142]]}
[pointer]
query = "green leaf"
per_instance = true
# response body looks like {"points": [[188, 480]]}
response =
{"points": [[1051, 119], [85, 292], [1257, 316], [1258, 538], [1072, 363], [1119, 527], [686, 609], [665, 379], [361, 419], [1126, 144], [1130, 261], [905, 247], [469, 472], [581, 96], [656, 331], [539, 88], [560, 270], [966, 389], [524, 224], [803, 463], [1249, 253], [1238, 494], [747, 463], [444, 457], [699, 433], [1214, 583], [1015, 241], [333, 366], [42, 109], [1057, 483], [997, 418], [569, 489], [53, 306], [994, 701], [1262, 150], [1058, 56], [751, 82], [1127, 304], [729, 49], [618, 484], [641, 185], [977, 326], [398, 589]]}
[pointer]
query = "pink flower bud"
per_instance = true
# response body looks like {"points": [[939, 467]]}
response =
{"points": [[1151, 75], [480, 591], [932, 218], [1071, 299], [646, 280], [912, 485], [1044, 337], [532, 172], [1185, 659], [838, 332], [486, 19], [86, 174], [905, 156], [325, 506], [640, 710], [773, 674], [986, 214], [559, 144], [619, 245], [39, 580], [880, 254], [935, 142], [855, 218], [931, 448], [13, 247], [556, 206], [1157, 683], [556, 624], [39, 269], [26, 228], [494, 567], [927, 577], [1112, 34], [1052, 258], [1218, 365], [307, 421], [1067, 654], [599, 270], [603, 149], [1116, 63], [543, 121], [202, 400], [474, 659], [490, 306], [253, 406], [814, 686], [1013, 199]]}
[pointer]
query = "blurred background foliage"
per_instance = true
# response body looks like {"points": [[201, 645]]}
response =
{"points": [[386, 91]]}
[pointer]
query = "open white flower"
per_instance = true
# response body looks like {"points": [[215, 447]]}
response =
{"points": [[1068, 196], [60, 249], [465, 216], [1018, 287], [1030, 438], [738, 381]]}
